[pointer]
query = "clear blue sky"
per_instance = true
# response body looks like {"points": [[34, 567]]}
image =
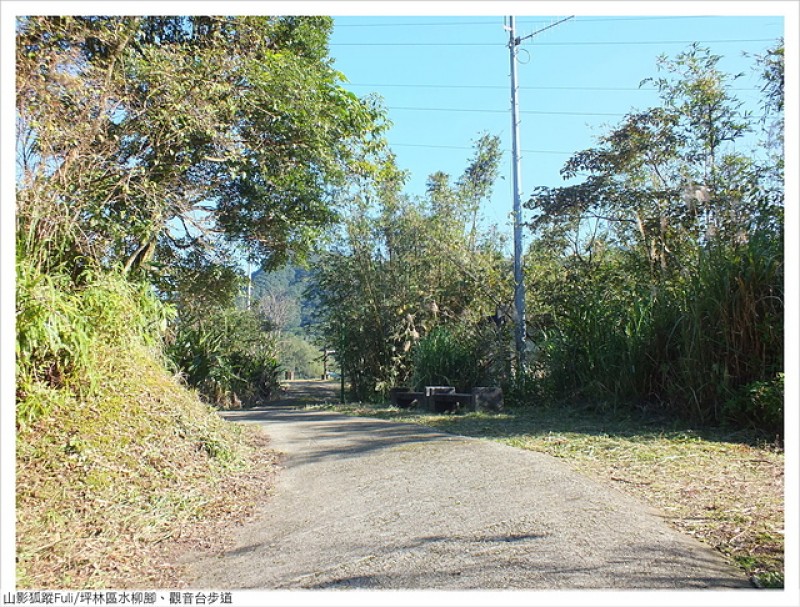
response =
{"points": [[446, 79]]}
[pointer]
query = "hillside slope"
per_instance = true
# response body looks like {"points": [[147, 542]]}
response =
{"points": [[103, 481]]}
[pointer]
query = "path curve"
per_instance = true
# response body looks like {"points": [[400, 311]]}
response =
{"points": [[368, 503]]}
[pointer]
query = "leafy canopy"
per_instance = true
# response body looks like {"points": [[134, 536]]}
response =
{"points": [[142, 138]]}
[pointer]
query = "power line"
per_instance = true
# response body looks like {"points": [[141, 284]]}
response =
{"points": [[486, 111], [651, 42], [525, 88], [577, 20], [520, 39], [444, 23], [458, 147], [540, 44], [495, 44]]}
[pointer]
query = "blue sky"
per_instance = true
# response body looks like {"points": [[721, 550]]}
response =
{"points": [[446, 79]]}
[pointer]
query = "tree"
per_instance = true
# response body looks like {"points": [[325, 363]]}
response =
{"points": [[402, 267], [163, 147], [142, 138], [663, 178], [280, 294], [659, 276]]}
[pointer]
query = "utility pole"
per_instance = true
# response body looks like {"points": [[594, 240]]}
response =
{"points": [[249, 282], [519, 285], [520, 332]]}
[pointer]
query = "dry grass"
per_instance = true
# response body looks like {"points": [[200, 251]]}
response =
{"points": [[725, 489], [109, 487]]}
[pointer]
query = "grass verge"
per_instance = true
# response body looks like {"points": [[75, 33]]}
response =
{"points": [[112, 487], [726, 489]]}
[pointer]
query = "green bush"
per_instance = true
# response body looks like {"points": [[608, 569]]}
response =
{"points": [[299, 355], [53, 335], [704, 343], [228, 355], [60, 320], [458, 356], [759, 404]]}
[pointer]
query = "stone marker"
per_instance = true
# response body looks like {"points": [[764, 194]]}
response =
{"points": [[488, 398]]}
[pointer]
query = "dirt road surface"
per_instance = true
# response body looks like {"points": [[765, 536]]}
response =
{"points": [[372, 504]]}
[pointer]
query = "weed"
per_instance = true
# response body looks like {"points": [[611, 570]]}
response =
{"points": [[104, 478]]}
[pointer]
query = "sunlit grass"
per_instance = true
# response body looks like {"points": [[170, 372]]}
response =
{"points": [[105, 482]]}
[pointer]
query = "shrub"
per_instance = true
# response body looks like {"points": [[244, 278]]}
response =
{"points": [[228, 355], [61, 319], [456, 356], [760, 404], [299, 355]]}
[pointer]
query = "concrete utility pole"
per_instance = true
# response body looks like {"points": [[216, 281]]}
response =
{"points": [[520, 332], [519, 285]]}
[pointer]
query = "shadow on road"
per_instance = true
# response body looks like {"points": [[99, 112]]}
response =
{"points": [[334, 435], [304, 392]]}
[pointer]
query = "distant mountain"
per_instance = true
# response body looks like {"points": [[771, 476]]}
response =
{"points": [[280, 293]]}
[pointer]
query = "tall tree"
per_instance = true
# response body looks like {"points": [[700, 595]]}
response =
{"points": [[401, 267], [140, 138], [664, 177], [660, 274]]}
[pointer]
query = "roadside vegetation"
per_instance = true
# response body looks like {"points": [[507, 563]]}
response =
{"points": [[655, 307], [655, 277], [139, 193], [116, 459]]}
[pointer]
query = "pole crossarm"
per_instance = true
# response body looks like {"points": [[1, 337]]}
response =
{"points": [[520, 39]]}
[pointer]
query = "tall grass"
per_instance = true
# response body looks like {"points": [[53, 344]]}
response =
{"points": [[729, 335], [60, 321], [113, 454], [461, 356], [705, 343], [228, 355]]}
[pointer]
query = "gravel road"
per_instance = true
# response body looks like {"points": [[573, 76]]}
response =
{"points": [[373, 504]]}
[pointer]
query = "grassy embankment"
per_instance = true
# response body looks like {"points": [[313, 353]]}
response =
{"points": [[724, 488], [120, 468], [112, 488]]}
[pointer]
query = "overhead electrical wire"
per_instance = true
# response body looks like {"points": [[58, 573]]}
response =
{"points": [[526, 88], [459, 147], [540, 44], [505, 44], [524, 22], [488, 111]]}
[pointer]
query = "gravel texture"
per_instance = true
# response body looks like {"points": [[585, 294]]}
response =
{"points": [[372, 504]]}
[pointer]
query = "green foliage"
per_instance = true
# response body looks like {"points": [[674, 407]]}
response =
{"points": [[279, 295], [691, 343], [760, 403], [658, 280], [400, 268], [443, 358], [199, 280], [462, 356], [52, 334], [730, 332], [161, 146], [60, 322], [228, 355], [299, 355], [120, 149], [116, 471]]}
